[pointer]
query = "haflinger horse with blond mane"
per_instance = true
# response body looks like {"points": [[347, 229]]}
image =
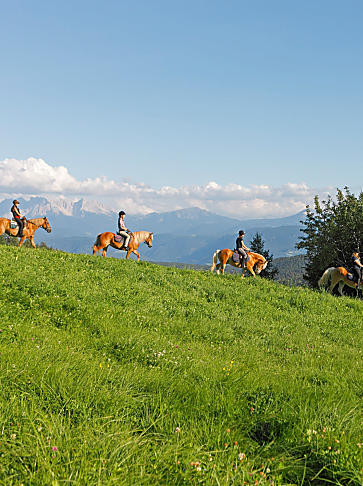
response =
{"points": [[104, 240], [225, 257], [28, 232], [337, 275]]}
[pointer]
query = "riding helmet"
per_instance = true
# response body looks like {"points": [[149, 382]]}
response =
{"points": [[16, 201], [241, 233]]}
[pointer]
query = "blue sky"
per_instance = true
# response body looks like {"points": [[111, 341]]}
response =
{"points": [[182, 93]]}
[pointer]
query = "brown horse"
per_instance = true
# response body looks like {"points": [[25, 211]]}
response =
{"points": [[334, 275], [104, 240], [28, 232], [225, 257]]}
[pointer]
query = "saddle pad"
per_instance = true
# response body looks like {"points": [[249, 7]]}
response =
{"points": [[13, 225], [118, 238], [236, 257]]}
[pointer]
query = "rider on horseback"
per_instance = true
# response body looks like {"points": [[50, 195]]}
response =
{"points": [[241, 248], [357, 267], [122, 230], [17, 217]]}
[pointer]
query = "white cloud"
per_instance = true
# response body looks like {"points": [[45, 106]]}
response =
{"points": [[36, 177]]}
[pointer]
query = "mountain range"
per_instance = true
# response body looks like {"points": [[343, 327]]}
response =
{"points": [[186, 235]]}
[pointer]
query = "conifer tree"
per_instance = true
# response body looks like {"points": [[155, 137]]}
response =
{"points": [[258, 245]]}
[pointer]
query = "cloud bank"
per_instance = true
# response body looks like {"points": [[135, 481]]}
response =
{"points": [[36, 177]]}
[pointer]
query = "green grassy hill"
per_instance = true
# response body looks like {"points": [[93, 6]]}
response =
{"points": [[114, 372]]}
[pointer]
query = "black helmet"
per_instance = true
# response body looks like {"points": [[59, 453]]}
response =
{"points": [[241, 232], [122, 213], [16, 201]]}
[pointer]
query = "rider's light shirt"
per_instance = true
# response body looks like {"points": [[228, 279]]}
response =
{"points": [[121, 224], [355, 260]]}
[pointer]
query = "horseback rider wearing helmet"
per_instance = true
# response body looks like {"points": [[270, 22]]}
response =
{"points": [[122, 230], [17, 217], [241, 248], [357, 267]]}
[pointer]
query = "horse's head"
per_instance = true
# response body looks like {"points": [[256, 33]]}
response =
{"points": [[261, 264], [149, 240], [46, 225]]}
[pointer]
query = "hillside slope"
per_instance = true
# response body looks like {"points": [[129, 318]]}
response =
{"points": [[114, 372]]}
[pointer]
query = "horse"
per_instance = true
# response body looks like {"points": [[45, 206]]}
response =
{"points": [[225, 257], [104, 240], [28, 231], [337, 275]]}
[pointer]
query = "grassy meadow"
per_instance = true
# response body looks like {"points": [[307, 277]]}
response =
{"points": [[118, 373]]}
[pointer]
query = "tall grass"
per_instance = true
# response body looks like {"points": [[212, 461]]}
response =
{"points": [[114, 372]]}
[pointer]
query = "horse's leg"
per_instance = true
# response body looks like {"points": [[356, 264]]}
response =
{"points": [[250, 269], [22, 239], [334, 281], [218, 267], [135, 252], [104, 251], [31, 239], [340, 287]]}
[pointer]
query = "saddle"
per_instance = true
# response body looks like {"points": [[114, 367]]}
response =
{"points": [[120, 239], [236, 257], [14, 224]]}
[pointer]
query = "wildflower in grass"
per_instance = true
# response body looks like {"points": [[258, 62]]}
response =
{"points": [[241, 456], [13, 436], [268, 470], [177, 430], [40, 428], [54, 448], [199, 468], [228, 431], [235, 443]]}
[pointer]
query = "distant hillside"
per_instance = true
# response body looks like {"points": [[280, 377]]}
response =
{"points": [[114, 372]]}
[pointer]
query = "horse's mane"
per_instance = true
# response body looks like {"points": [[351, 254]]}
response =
{"points": [[257, 255], [141, 235], [36, 221]]}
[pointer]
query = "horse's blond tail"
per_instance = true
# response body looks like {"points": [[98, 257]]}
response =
{"points": [[215, 260], [325, 278], [96, 244]]}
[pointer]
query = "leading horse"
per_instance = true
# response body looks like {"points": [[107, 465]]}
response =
{"points": [[337, 275], [104, 240], [225, 257], [29, 230]]}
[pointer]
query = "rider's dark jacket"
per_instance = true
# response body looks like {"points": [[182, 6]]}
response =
{"points": [[15, 211], [239, 243]]}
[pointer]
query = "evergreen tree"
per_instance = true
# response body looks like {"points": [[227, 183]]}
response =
{"points": [[258, 246], [333, 230]]}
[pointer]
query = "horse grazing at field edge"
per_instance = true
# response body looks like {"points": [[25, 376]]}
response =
{"points": [[337, 275], [104, 240], [225, 257], [28, 231]]}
